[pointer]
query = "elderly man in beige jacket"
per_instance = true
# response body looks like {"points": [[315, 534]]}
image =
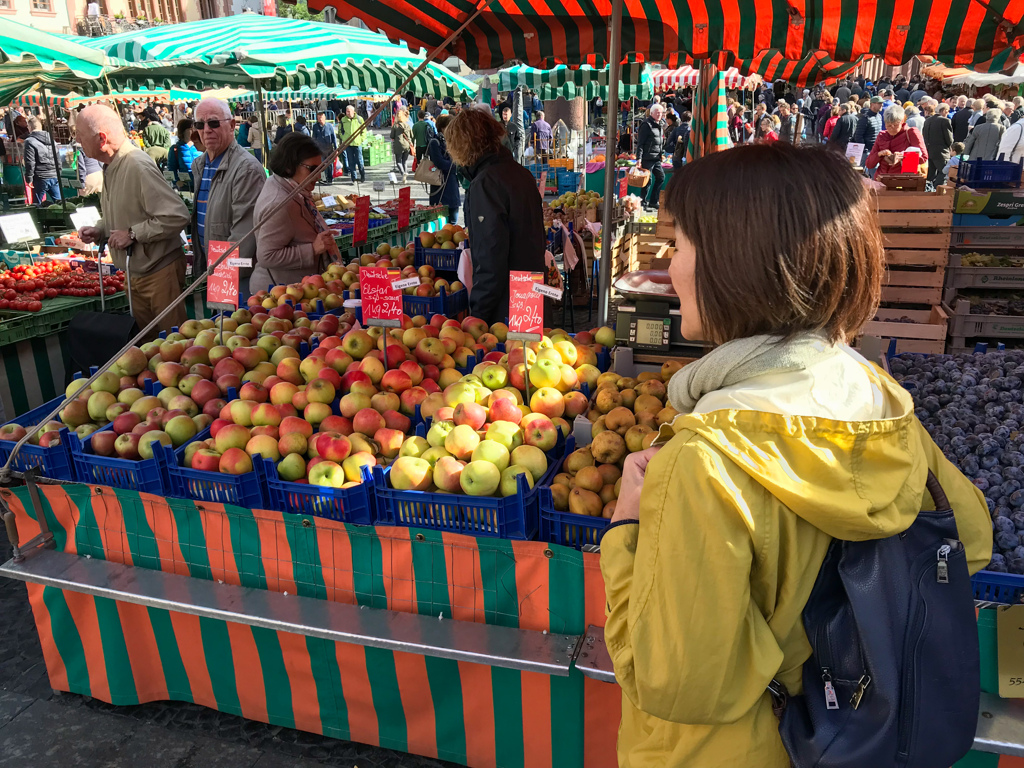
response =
{"points": [[140, 212]]}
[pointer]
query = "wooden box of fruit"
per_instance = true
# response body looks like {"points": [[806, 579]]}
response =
{"points": [[915, 233], [915, 330]]}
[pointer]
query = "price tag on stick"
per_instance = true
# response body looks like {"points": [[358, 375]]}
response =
{"points": [[18, 228], [222, 285], [361, 225], [404, 204], [525, 305], [85, 217], [381, 301], [623, 187]]}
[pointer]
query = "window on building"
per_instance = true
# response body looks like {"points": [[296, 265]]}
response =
{"points": [[6, 5], [46, 6]]}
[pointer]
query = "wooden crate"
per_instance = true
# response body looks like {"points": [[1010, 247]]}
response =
{"points": [[915, 233], [926, 334]]}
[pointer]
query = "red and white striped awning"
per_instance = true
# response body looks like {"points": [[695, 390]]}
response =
{"points": [[684, 77], [688, 77]]}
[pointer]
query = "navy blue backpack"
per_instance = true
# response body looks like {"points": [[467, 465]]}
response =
{"points": [[894, 676]]}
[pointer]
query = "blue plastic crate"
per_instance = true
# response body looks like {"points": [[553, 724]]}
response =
{"points": [[241, 490], [441, 259], [450, 305], [146, 475], [512, 517], [998, 587], [53, 462], [990, 174], [568, 181], [347, 505], [348, 225]]}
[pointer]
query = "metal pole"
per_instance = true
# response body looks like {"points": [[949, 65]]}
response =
{"points": [[261, 107], [604, 277], [53, 148]]}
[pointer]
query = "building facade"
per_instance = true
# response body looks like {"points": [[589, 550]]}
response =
{"points": [[47, 15]]}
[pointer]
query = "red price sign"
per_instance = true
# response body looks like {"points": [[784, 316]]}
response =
{"points": [[381, 301], [222, 285], [525, 306], [404, 204], [623, 187], [361, 225]]}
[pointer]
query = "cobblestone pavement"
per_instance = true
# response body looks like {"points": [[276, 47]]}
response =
{"points": [[47, 730]]}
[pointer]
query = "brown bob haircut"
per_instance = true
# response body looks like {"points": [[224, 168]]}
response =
{"points": [[786, 242], [472, 135]]}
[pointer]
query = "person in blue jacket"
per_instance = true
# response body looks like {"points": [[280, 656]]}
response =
{"points": [[181, 155]]}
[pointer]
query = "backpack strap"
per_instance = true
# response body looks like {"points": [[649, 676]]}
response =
{"points": [[935, 489]]}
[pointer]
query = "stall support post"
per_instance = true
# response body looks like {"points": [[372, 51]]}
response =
{"points": [[263, 119], [604, 281], [53, 148]]}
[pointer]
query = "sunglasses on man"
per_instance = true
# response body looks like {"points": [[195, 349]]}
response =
{"points": [[214, 124]]}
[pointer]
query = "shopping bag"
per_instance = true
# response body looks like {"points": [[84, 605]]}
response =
{"points": [[338, 169], [428, 173]]}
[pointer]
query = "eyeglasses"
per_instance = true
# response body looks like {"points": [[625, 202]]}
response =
{"points": [[309, 167], [214, 124]]}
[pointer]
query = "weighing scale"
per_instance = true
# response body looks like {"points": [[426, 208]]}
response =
{"points": [[648, 319]]}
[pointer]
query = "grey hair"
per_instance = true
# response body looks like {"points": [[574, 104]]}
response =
{"points": [[993, 115], [1018, 101], [33, 123], [942, 109], [895, 115]]}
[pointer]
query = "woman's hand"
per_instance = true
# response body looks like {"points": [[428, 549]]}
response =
{"points": [[324, 242], [627, 507]]}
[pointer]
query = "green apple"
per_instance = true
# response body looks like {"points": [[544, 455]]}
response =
{"points": [[292, 467], [414, 446], [480, 478], [509, 485], [494, 452], [434, 454], [327, 474], [531, 458], [439, 431], [505, 432]]}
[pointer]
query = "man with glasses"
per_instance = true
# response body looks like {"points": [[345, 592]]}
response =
{"points": [[140, 212], [228, 180]]}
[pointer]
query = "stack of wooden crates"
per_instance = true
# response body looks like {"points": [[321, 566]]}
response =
{"points": [[915, 231]]}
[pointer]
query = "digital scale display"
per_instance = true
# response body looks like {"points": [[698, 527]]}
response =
{"points": [[649, 333]]}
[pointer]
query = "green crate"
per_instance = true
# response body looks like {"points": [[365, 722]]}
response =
{"points": [[988, 645], [18, 326]]}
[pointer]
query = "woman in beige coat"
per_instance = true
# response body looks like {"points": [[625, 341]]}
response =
{"points": [[294, 241]]}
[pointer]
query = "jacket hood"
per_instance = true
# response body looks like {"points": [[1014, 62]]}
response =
{"points": [[854, 480], [42, 136]]}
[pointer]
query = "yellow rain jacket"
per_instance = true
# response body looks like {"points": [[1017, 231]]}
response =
{"points": [[705, 594]]}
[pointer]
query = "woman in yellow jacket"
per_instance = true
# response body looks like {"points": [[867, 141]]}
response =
{"points": [[786, 438]]}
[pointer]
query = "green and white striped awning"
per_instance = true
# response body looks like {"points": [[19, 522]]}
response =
{"points": [[70, 100], [279, 53], [569, 82], [321, 92], [29, 56]]}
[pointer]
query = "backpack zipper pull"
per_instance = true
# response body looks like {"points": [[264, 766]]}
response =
{"points": [[858, 694], [942, 566], [831, 701]]}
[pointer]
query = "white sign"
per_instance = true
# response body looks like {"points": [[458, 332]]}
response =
{"points": [[393, 178], [239, 262], [18, 228], [328, 202], [380, 211], [854, 152], [378, 186], [409, 282], [85, 217], [548, 290]]}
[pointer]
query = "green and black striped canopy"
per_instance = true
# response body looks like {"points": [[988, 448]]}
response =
{"points": [[29, 56], [569, 83], [279, 53], [971, 33]]}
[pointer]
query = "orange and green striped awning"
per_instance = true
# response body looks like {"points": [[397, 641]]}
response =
{"points": [[541, 32]]}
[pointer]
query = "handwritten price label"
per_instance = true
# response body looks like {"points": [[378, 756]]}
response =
{"points": [[361, 225], [404, 204], [222, 285], [525, 304], [329, 202], [623, 187], [381, 301]]}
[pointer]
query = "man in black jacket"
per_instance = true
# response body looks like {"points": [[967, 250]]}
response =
{"points": [[938, 138], [961, 119], [842, 131], [503, 211], [40, 164], [650, 147]]}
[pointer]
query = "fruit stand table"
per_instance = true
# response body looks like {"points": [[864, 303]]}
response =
{"points": [[479, 651]]}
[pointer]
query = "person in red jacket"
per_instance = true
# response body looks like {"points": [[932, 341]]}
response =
{"points": [[893, 142]]}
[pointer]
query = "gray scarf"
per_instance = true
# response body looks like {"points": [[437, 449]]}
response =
{"points": [[742, 359]]}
